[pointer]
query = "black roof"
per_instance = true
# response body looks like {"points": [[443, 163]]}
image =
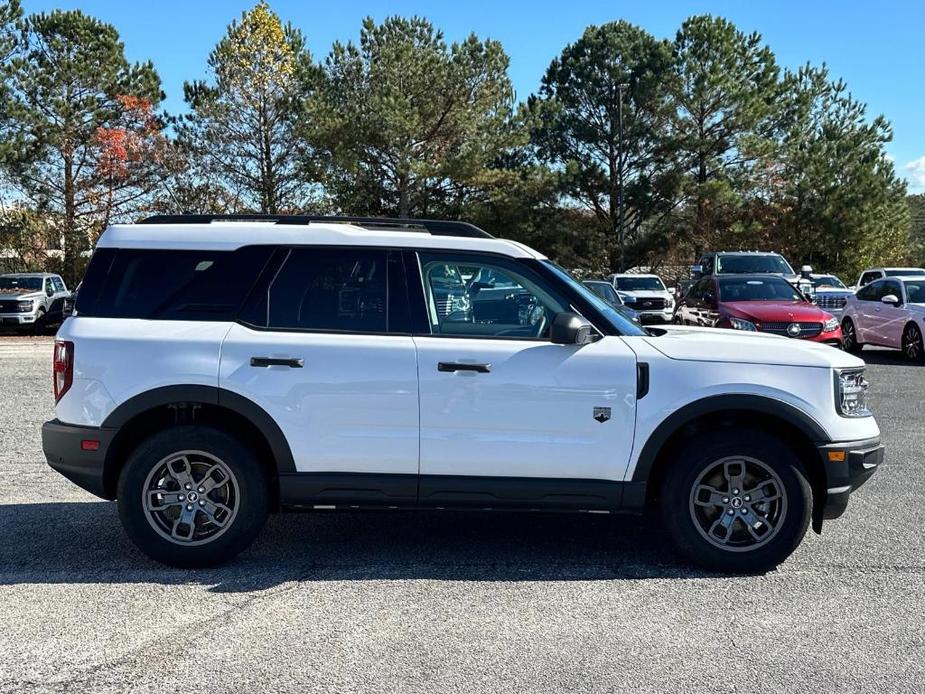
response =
{"points": [[435, 227]]}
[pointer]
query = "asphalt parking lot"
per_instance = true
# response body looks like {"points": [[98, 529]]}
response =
{"points": [[408, 602]]}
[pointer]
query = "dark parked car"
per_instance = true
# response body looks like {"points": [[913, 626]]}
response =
{"points": [[606, 291]]}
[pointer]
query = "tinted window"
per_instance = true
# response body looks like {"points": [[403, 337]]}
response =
{"points": [[907, 271], [915, 292], [59, 284], [744, 264], [341, 289], [869, 277], [605, 291], [872, 292], [170, 285], [20, 285], [893, 287], [764, 289]]}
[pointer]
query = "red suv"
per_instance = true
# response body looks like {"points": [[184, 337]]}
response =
{"points": [[766, 303]]}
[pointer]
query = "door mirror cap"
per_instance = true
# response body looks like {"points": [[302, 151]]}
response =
{"points": [[708, 298], [806, 270], [570, 329], [696, 271], [891, 299]]}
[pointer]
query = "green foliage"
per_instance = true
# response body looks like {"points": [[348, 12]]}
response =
{"points": [[240, 134], [838, 202], [403, 124], [916, 205], [69, 92], [576, 130]]}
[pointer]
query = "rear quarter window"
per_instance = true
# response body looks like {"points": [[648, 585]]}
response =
{"points": [[170, 284]]}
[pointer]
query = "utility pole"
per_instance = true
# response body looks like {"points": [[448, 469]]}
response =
{"points": [[621, 233]]}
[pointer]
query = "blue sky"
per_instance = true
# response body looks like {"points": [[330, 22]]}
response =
{"points": [[877, 48]]}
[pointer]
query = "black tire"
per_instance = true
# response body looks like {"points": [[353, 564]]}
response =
{"points": [[680, 512], [246, 487], [40, 324], [913, 347], [849, 340]]}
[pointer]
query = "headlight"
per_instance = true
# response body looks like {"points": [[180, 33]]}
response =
{"points": [[25, 306], [740, 324], [830, 325], [851, 393], [669, 303]]}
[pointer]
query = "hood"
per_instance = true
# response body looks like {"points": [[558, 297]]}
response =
{"points": [[19, 294], [719, 345], [646, 293], [776, 311]]}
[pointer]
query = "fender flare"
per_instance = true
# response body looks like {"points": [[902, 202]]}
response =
{"points": [[758, 404], [208, 395]]}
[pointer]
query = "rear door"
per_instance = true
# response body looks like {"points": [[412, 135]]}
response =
{"points": [[507, 417], [868, 312], [324, 347]]}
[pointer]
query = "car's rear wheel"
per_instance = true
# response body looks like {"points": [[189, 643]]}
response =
{"points": [[192, 496], [736, 502], [912, 343], [849, 337]]}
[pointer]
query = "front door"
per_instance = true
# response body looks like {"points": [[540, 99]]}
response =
{"points": [[507, 417], [321, 352]]}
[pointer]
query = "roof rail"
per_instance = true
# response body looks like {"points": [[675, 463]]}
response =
{"points": [[435, 227]]}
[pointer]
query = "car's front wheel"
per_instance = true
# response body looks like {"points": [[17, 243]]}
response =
{"points": [[912, 343], [736, 501], [192, 496], [849, 339]]}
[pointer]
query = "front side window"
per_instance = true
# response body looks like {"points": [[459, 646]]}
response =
{"points": [[893, 287], [869, 277], [915, 292], [330, 289], [470, 296]]}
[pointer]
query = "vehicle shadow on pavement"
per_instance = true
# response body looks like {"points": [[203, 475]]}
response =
{"points": [[888, 357], [84, 543]]}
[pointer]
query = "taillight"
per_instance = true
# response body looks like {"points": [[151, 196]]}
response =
{"points": [[63, 367]]}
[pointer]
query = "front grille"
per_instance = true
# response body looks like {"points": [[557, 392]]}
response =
{"points": [[12, 307], [806, 329], [831, 302], [443, 307], [646, 304]]}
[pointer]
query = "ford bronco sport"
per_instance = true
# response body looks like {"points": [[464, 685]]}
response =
{"points": [[218, 369]]}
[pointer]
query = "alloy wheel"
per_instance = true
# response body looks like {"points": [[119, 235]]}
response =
{"points": [[848, 337], [912, 342], [190, 497], [738, 503]]}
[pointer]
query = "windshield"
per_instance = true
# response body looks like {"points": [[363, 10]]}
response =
{"points": [[616, 319], [907, 271], [743, 264], [915, 291], [828, 282], [20, 285], [605, 291], [635, 284], [764, 289]]}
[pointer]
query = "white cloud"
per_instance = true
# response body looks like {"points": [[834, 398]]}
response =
{"points": [[915, 173]]}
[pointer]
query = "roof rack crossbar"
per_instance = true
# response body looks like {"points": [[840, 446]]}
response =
{"points": [[435, 227]]}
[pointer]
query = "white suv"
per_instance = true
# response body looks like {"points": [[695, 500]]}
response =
{"points": [[218, 369]]}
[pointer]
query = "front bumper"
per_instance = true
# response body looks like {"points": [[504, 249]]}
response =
{"points": [[63, 445], [848, 465], [17, 318], [662, 316]]}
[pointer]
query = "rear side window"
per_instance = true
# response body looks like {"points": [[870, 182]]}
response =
{"points": [[170, 284], [330, 289]]}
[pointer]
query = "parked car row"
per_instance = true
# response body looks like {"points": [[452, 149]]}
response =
{"points": [[760, 292]]}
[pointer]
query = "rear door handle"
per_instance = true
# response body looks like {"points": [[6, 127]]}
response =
{"points": [[447, 366], [264, 362]]}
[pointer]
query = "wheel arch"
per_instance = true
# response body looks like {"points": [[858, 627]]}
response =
{"points": [[165, 406], [799, 430]]}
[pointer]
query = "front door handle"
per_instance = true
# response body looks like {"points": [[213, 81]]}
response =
{"points": [[447, 366], [264, 362]]}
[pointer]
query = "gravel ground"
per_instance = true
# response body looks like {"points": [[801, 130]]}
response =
{"points": [[448, 602]]}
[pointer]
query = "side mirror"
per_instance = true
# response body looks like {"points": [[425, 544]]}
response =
{"points": [[806, 271], [696, 271], [891, 299], [570, 329], [49, 292], [708, 298]]}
